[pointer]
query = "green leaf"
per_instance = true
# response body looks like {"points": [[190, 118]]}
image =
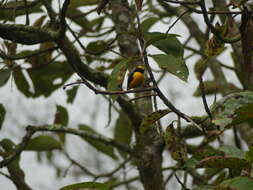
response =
{"points": [[239, 183], [233, 109], [2, 115], [116, 78], [101, 147], [82, 21], [168, 43], [234, 152], [45, 76], [152, 118], [4, 76], [123, 130], [175, 66], [148, 23], [200, 155], [71, 94], [97, 48], [90, 185], [14, 169], [21, 82], [61, 116], [223, 162], [249, 154], [43, 143], [205, 187], [13, 12], [39, 21]]}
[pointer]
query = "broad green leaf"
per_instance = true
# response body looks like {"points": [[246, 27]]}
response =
{"points": [[174, 65], [73, 14], [152, 118], [2, 115], [123, 130], [205, 187], [167, 43], [175, 144], [223, 162], [249, 154], [233, 109], [116, 78], [214, 46], [45, 76], [71, 94], [39, 21], [10, 10], [41, 60], [61, 116], [238, 183], [220, 178], [200, 155], [43, 143], [234, 152], [21, 82], [4, 76], [14, 169], [97, 48], [88, 185], [101, 147], [148, 23]]}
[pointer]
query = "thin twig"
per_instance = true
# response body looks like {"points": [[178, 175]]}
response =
{"points": [[109, 174], [62, 18], [84, 169], [203, 95], [178, 18], [237, 138], [19, 148], [212, 28], [140, 97], [96, 91], [27, 21], [50, 11], [84, 134], [5, 175], [158, 91], [180, 182]]}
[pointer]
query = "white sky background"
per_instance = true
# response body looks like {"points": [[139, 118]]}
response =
{"points": [[22, 112]]}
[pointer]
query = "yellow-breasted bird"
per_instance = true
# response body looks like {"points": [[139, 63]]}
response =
{"points": [[135, 78]]}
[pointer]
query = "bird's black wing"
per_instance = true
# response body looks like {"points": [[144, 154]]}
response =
{"points": [[130, 79]]}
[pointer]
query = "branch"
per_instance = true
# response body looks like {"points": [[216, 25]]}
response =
{"points": [[109, 174], [20, 7], [35, 53], [19, 148], [31, 130], [85, 170], [96, 91], [62, 17], [212, 28], [83, 70], [50, 11], [203, 95], [84, 134], [24, 34]]}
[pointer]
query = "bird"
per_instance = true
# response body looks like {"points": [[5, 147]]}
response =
{"points": [[136, 78]]}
